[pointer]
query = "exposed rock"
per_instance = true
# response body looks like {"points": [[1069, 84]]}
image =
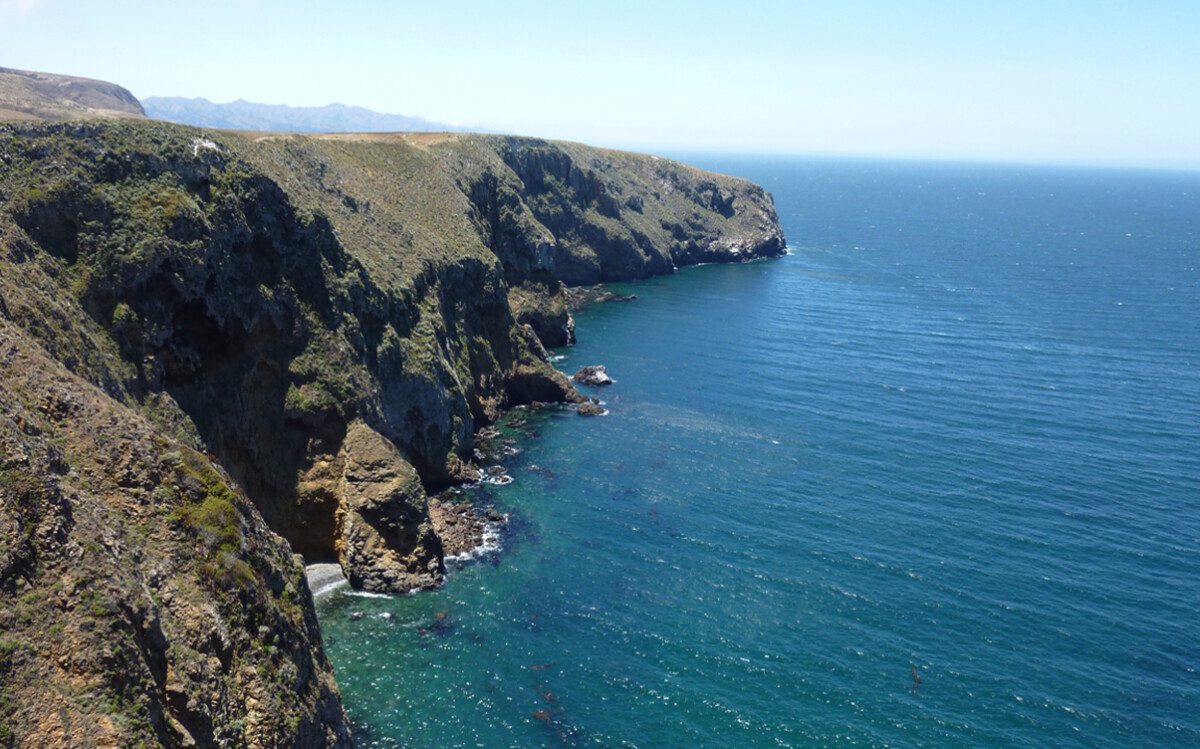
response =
{"points": [[578, 298], [387, 541], [461, 525], [595, 375], [591, 409], [544, 305]]}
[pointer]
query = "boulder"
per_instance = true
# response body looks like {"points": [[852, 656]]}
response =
{"points": [[595, 375]]}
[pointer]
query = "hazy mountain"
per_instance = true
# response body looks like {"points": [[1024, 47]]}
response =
{"points": [[26, 94], [248, 115]]}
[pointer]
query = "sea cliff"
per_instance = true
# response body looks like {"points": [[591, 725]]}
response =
{"points": [[220, 351]]}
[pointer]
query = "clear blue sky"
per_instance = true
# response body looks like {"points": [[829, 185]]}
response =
{"points": [[1077, 82]]}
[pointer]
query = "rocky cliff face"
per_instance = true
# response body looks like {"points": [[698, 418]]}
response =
{"points": [[219, 349], [561, 214], [145, 601]]}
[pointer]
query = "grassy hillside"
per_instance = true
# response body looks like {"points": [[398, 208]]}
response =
{"points": [[26, 95]]}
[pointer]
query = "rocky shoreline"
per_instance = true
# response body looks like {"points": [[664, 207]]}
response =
{"points": [[579, 297], [470, 530], [464, 527]]}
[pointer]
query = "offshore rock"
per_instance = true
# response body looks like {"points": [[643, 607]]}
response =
{"points": [[594, 375], [583, 296]]}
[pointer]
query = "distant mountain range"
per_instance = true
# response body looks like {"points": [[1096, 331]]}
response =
{"points": [[248, 115]]}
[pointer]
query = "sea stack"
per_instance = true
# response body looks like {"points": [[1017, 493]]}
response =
{"points": [[595, 375]]}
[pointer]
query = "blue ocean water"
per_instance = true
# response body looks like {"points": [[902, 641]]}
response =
{"points": [[957, 429]]}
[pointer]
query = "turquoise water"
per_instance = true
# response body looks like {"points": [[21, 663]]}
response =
{"points": [[957, 429]]}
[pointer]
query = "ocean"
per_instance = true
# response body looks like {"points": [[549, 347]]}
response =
{"points": [[932, 479]]}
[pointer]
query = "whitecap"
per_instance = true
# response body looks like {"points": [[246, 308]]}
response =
{"points": [[366, 594], [489, 544]]}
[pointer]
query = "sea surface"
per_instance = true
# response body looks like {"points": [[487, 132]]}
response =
{"points": [[956, 433]]}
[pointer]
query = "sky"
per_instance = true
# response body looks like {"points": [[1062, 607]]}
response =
{"points": [[1098, 82]]}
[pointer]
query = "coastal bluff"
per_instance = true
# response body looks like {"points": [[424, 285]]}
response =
{"points": [[224, 354]]}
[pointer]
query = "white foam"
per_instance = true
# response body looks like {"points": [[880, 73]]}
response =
{"points": [[480, 475], [330, 587], [324, 577], [366, 594], [489, 544]]}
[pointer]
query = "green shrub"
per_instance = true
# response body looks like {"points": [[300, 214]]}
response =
{"points": [[214, 522]]}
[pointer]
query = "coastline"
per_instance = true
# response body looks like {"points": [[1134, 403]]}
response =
{"points": [[473, 531]]}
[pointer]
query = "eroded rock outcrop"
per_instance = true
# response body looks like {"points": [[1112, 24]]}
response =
{"points": [[595, 375], [386, 538], [591, 409], [561, 214]]}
